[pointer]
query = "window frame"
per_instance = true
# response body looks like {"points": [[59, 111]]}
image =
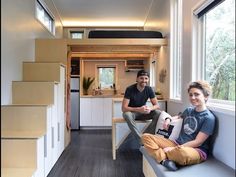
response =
{"points": [[48, 13], [152, 79], [77, 31], [176, 79], [198, 58], [97, 66]]}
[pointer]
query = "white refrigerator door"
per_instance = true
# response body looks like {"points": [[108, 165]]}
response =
{"points": [[75, 114]]}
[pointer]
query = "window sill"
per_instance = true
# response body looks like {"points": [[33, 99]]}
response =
{"points": [[176, 100], [222, 108]]}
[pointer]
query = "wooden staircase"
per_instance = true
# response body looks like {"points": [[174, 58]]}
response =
{"points": [[33, 127]]}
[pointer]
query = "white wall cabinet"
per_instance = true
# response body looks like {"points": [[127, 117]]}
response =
{"points": [[85, 112], [107, 111], [95, 111]]}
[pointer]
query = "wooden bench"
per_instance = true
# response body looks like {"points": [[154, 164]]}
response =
{"points": [[117, 120], [213, 166]]}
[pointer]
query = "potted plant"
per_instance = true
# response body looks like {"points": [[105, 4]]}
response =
{"points": [[158, 94], [86, 84]]}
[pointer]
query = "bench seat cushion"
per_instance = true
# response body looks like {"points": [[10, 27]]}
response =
{"points": [[211, 167]]}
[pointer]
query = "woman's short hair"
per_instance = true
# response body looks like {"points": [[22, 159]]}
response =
{"points": [[202, 85]]}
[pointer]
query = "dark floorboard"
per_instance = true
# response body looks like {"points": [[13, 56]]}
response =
{"points": [[90, 155]]}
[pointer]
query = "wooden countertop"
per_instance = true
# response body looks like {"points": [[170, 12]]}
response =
{"points": [[102, 96], [120, 99], [115, 98]]}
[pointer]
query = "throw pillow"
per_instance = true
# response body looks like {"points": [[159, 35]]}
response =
{"points": [[174, 127]]}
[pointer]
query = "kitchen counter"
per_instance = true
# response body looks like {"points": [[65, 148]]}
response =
{"points": [[102, 96], [117, 97], [116, 102]]}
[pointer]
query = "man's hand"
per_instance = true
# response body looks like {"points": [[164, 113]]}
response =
{"points": [[145, 109]]}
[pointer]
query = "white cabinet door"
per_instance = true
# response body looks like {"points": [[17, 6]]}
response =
{"points": [[107, 111], [54, 128], [117, 112], [48, 149], [97, 112], [85, 112]]}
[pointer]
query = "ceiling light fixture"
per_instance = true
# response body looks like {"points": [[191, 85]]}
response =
{"points": [[103, 23]]}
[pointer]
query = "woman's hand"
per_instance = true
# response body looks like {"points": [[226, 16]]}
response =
{"points": [[168, 149]]}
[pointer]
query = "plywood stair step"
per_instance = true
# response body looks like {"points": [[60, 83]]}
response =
{"points": [[32, 137], [23, 121], [22, 156], [17, 172], [34, 71], [33, 92]]}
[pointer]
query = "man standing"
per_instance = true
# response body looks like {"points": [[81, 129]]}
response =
{"points": [[134, 105]]}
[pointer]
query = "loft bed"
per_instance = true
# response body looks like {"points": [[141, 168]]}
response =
{"points": [[124, 34], [120, 38]]}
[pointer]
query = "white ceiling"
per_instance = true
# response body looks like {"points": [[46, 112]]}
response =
{"points": [[127, 13]]}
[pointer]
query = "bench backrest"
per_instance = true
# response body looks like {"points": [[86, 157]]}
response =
{"points": [[223, 140]]}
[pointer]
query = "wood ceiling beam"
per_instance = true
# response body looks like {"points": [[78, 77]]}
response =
{"points": [[128, 48], [127, 41], [111, 55]]}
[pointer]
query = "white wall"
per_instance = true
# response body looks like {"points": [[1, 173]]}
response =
{"points": [[159, 20], [19, 28], [175, 107]]}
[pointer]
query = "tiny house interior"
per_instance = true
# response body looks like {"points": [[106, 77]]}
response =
{"points": [[65, 66]]}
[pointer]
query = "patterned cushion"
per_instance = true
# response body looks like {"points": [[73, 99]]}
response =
{"points": [[174, 127]]}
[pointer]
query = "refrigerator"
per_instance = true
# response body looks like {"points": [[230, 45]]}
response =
{"points": [[75, 100]]}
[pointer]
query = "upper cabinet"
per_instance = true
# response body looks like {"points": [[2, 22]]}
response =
{"points": [[75, 67], [134, 65]]}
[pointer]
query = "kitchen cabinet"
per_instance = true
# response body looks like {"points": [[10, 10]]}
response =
{"points": [[134, 65], [107, 111], [95, 112], [85, 112]]}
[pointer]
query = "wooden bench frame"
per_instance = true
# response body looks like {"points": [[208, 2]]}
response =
{"points": [[116, 120]]}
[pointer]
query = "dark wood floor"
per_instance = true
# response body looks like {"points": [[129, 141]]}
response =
{"points": [[90, 155]]}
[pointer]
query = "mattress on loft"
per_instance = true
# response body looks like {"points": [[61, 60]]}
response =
{"points": [[124, 34]]}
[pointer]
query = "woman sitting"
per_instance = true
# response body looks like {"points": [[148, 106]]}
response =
{"points": [[192, 145]]}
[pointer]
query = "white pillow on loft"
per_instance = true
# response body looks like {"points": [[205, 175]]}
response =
{"points": [[174, 127]]}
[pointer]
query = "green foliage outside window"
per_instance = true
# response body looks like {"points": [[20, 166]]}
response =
{"points": [[106, 77], [220, 50]]}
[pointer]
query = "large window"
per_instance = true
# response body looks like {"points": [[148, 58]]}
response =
{"points": [[44, 16], [220, 50], [217, 45], [176, 50]]}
